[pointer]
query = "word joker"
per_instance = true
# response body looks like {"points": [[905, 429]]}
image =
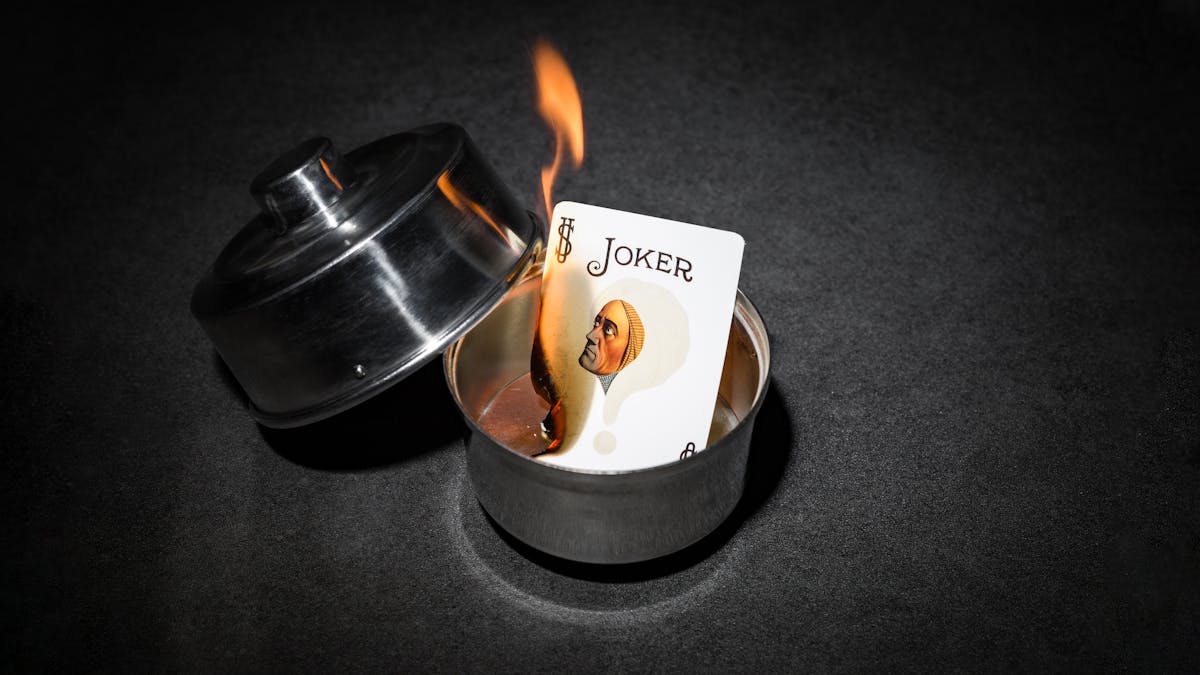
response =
{"points": [[640, 257]]}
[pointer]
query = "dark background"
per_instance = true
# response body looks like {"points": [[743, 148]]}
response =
{"points": [[973, 234]]}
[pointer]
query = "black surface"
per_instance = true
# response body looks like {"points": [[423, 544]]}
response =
{"points": [[973, 234]]}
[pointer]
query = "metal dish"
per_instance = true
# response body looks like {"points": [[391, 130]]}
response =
{"points": [[603, 517]]}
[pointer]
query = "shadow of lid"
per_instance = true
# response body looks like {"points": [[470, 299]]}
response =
{"points": [[414, 415]]}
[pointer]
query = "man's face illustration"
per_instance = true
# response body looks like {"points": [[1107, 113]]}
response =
{"points": [[607, 340]]}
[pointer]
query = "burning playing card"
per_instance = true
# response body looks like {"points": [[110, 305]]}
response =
{"points": [[634, 323]]}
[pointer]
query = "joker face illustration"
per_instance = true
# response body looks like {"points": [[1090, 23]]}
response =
{"points": [[614, 341]]}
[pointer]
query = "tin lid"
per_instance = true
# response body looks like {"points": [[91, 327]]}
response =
{"points": [[360, 269]]}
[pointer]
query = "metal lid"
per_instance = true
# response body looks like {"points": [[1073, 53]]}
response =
{"points": [[360, 269]]}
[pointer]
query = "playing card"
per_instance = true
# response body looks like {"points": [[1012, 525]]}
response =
{"points": [[635, 318]]}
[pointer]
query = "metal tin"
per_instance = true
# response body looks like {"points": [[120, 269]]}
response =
{"points": [[603, 517], [361, 269]]}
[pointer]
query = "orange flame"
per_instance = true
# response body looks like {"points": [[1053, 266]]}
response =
{"points": [[464, 203], [558, 104]]}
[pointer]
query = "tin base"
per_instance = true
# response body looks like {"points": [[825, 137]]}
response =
{"points": [[593, 516]]}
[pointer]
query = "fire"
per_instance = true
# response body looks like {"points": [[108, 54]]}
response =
{"points": [[464, 203], [558, 104]]}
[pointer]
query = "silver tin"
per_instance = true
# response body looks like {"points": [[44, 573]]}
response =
{"points": [[591, 516], [361, 269]]}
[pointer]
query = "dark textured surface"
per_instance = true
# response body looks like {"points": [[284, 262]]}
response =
{"points": [[974, 236]]}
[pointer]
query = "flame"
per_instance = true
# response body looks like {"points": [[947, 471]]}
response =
{"points": [[464, 203], [329, 174], [558, 104]]}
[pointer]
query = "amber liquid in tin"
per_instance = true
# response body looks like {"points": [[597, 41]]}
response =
{"points": [[514, 417]]}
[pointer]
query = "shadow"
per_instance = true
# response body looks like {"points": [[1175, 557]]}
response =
{"points": [[412, 416], [770, 451], [229, 380]]}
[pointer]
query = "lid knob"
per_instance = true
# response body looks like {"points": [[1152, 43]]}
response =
{"points": [[305, 180]]}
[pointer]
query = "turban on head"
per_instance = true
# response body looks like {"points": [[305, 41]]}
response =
{"points": [[636, 335]]}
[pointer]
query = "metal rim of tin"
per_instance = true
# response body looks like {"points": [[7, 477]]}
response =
{"points": [[756, 329]]}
